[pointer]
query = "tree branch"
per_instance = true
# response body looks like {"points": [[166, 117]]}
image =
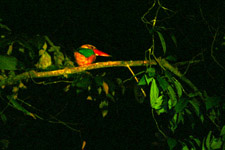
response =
{"points": [[67, 71]]}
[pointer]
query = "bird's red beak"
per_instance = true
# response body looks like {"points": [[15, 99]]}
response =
{"points": [[100, 53]]}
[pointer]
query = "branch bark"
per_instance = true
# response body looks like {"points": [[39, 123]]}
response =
{"points": [[67, 71]]}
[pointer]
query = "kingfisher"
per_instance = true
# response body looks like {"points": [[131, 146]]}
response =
{"points": [[86, 54]]}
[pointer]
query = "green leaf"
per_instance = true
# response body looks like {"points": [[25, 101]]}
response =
{"points": [[83, 83], [216, 143], [99, 80], [178, 87], [103, 104], [163, 83], [172, 96], [202, 118], [196, 105], [180, 118], [162, 41], [16, 105], [45, 61], [222, 132], [8, 62], [4, 118], [212, 102], [171, 142], [151, 72], [185, 147], [197, 141], [171, 58], [174, 39], [158, 102], [203, 144], [160, 111], [181, 104], [191, 95], [208, 139], [4, 27], [148, 79], [142, 81], [154, 93], [104, 107], [170, 104]]}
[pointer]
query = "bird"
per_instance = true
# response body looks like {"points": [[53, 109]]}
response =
{"points": [[86, 54]]}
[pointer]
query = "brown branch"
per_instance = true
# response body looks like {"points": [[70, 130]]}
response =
{"points": [[67, 71]]}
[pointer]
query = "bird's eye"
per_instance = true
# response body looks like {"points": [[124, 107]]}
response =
{"points": [[92, 47]]}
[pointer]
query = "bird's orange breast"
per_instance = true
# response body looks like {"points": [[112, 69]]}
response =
{"points": [[81, 60]]}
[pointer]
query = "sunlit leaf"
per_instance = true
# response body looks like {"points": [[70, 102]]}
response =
{"points": [[148, 79], [89, 98], [158, 102], [175, 118], [32, 115], [169, 104], [104, 113], [105, 87], [45, 61], [154, 93], [142, 81], [45, 46], [9, 52], [162, 42], [83, 145], [160, 111], [58, 58]]}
